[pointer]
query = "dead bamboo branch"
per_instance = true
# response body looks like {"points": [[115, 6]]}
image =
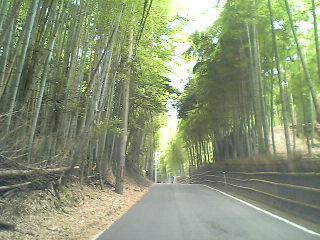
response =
{"points": [[39, 172], [14, 186]]}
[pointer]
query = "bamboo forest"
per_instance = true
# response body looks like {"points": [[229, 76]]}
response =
{"points": [[85, 85], [99, 99]]}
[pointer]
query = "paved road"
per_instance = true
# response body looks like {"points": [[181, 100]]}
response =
{"points": [[195, 212]]}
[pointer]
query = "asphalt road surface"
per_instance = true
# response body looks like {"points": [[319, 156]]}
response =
{"points": [[196, 212]]}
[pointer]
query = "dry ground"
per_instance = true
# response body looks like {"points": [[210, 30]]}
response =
{"points": [[301, 143], [82, 214]]}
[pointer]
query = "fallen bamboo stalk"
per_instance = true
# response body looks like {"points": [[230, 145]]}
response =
{"points": [[14, 173], [14, 186]]}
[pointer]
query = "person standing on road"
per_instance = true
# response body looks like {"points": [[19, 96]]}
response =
{"points": [[171, 179]]}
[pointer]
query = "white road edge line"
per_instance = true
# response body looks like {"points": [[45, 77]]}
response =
{"points": [[98, 235], [266, 212]]}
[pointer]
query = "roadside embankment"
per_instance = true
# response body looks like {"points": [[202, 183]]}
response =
{"points": [[79, 214]]}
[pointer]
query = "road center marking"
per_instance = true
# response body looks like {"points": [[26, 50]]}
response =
{"points": [[266, 212]]}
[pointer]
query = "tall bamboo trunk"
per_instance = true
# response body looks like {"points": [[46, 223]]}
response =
{"points": [[16, 81], [255, 91], [10, 20], [304, 64], [125, 115], [150, 154], [4, 62], [305, 125], [316, 36], [261, 92], [44, 80], [292, 116], [272, 113], [312, 116], [107, 84], [3, 13], [283, 105]]}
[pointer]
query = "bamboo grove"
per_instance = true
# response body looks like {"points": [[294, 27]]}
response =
{"points": [[258, 66], [82, 84]]}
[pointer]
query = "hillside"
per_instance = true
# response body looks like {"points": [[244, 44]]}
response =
{"points": [[80, 213], [300, 146]]}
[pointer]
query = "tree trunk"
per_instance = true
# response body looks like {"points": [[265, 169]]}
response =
{"points": [[283, 105], [44, 80], [292, 115], [150, 155], [3, 13], [25, 44], [14, 12], [110, 54], [125, 115], [272, 114], [305, 126], [304, 65], [311, 106], [255, 92], [4, 61], [260, 89], [316, 37]]}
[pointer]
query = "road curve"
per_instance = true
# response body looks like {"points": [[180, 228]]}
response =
{"points": [[195, 212]]}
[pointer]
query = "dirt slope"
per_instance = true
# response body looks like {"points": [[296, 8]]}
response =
{"points": [[82, 213], [301, 143]]}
